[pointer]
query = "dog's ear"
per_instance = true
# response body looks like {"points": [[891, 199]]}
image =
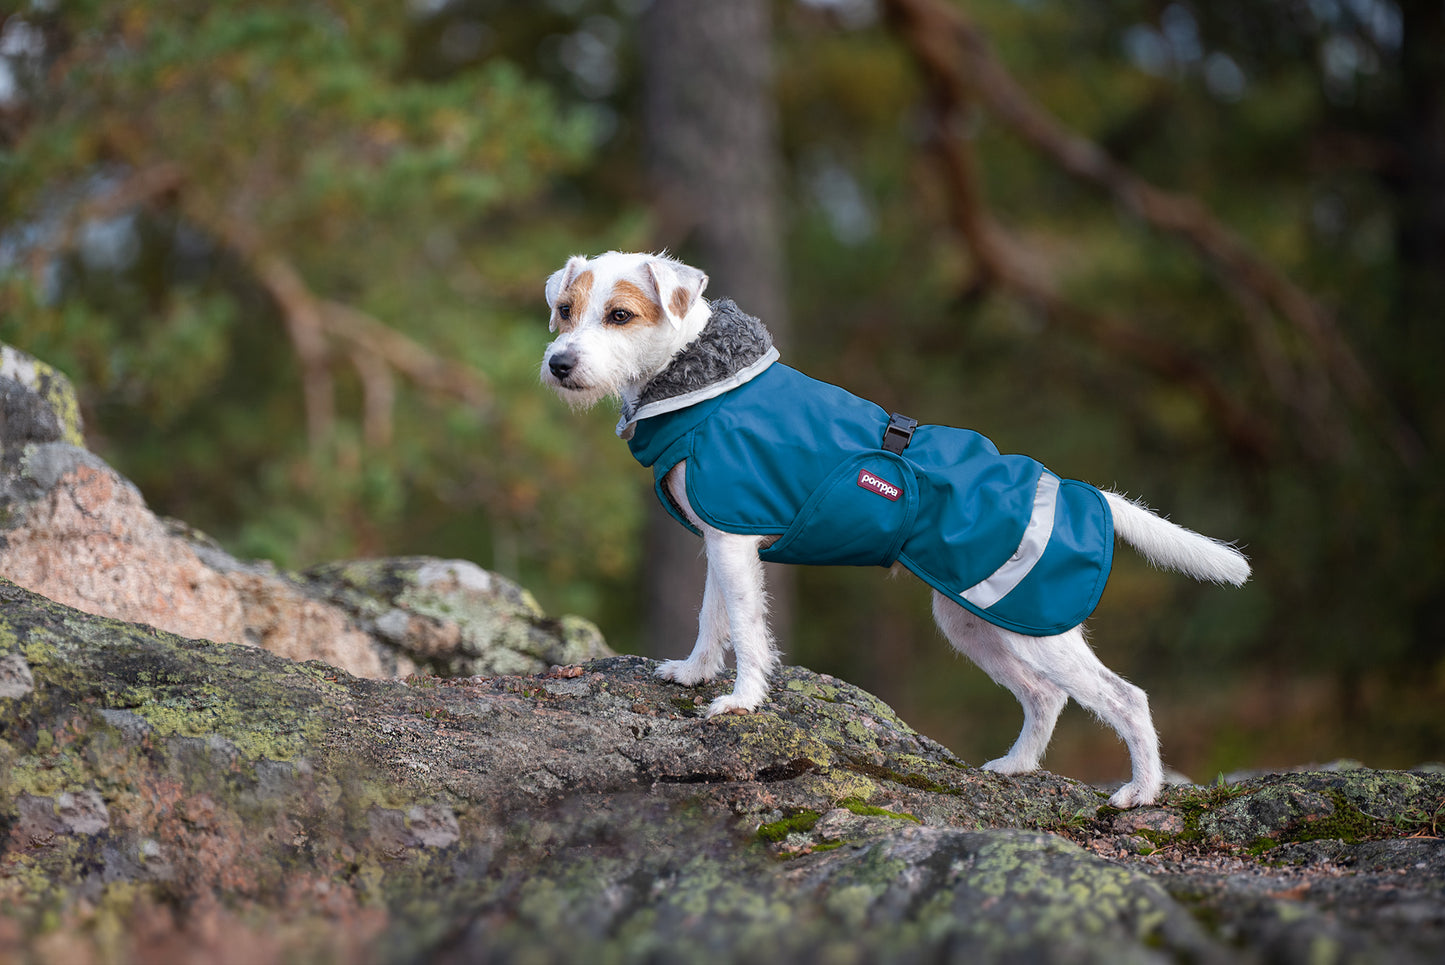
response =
{"points": [[559, 280], [678, 287]]}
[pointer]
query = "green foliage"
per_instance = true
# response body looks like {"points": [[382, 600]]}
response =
{"points": [[1423, 822], [862, 808], [800, 822], [298, 133]]}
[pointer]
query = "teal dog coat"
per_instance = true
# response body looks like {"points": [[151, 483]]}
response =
{"points": [[770, 451]]}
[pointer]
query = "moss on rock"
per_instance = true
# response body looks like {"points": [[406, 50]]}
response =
{"points": [[1352, 806], [49, 411], [451, 617], [160, 793]]}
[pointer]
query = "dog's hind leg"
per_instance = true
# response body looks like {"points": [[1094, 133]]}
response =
{"points": [[1069, 662], [989, 647], [1043, 672]]}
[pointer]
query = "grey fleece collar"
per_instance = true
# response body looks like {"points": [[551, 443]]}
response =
{"points": [[733, 349]]}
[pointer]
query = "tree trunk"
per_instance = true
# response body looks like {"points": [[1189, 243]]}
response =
{"points": [[713, 149], [1413, 342], [1420, 201]]}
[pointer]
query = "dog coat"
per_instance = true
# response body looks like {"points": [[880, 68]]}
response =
{"points": [[771, 451]]}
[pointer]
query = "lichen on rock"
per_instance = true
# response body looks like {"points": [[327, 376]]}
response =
{"points": [[159, 793], [76, 531], [453, 618], [37, 403], [200, 754]]}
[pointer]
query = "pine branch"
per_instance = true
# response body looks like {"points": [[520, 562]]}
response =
{"points": [[376, 349], [963, 72], [144, 186], [319, 329], [1002, 261]]}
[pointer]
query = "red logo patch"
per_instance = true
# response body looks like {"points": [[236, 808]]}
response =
{"points": [[872, 483]]}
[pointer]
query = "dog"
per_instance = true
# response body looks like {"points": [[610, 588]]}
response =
{"points": [[767, 464]]}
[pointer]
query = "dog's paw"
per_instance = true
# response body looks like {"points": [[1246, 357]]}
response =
{"points": [[732, 704], [1009, 766], [1132, 795], [683, 672]]}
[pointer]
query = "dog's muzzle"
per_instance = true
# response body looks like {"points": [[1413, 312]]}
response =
{"points": [[562, 363]]}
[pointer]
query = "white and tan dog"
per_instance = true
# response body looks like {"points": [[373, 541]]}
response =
{"points": [[629, 323]]}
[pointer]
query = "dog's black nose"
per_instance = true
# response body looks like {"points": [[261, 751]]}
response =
{"points": [[562, 364]]}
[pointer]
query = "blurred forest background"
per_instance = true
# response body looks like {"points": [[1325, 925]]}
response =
{"points": [[292, 251]]}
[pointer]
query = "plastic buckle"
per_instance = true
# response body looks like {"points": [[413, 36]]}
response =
{"points": [[899, 433]]}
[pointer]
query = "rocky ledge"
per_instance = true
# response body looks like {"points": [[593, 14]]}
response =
{"points": [[165, 798], [206, 759], [77, 531]]}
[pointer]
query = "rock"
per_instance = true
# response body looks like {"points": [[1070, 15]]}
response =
{"points": [[37, 403], [168, 799], [453, 618], [173, 788], [15, 678], [75, 530], [1349, 805], [1155, 820], [69, 812]]}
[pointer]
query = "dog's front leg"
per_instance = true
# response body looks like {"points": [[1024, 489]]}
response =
{"points": [[733, 606], [706, 659], [736, 574]]}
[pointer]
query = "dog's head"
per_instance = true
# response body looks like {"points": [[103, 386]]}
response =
{"points": [[622, 317]]}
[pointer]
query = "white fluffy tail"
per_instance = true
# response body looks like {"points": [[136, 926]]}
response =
{"points": [[1170, 546]]}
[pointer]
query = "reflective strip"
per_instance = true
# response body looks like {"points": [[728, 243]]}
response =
{"points": [[990, 590]]}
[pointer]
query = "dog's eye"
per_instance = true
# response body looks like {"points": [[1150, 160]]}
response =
{"points": [[619, 316], [564, 312]]}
